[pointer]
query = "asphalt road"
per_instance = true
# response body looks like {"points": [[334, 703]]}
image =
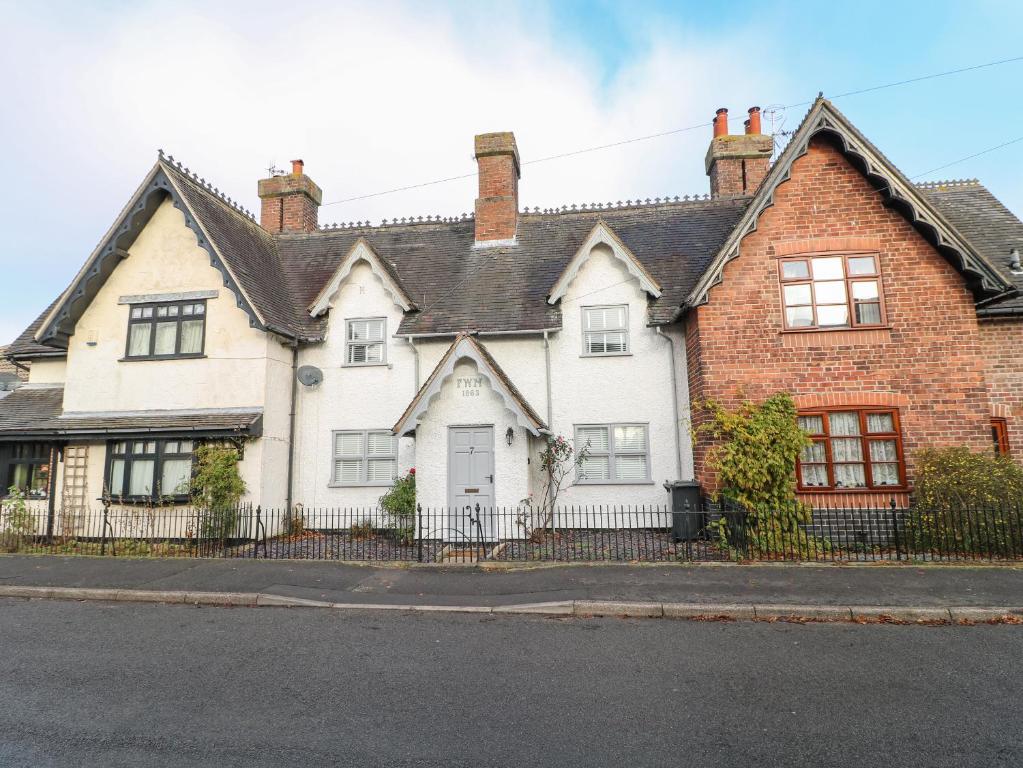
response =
{"points": [[93, 684]]}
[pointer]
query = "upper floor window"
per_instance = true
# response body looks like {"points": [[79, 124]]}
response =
{"points": [[606, 330], [166, 330], [364, 341], [365, 457], [857, 449], [821, 292], [142, 470], [615, 453]]}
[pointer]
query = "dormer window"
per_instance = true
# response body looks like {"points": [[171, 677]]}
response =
{"points": [[166, 330], [364, 341], [606, 330], [833, 291]]}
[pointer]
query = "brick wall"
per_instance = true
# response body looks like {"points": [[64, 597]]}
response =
{"points": [[497, 207], [289, 203], [928, 362], [1002, 342]]}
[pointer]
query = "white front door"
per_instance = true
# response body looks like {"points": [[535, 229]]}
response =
{"points": [[471, 482]]}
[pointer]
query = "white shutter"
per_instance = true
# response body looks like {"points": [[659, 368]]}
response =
{"points": [[348, 444], [595, 468], [381, 444], [347, 471], [380, 471], [630, 438], [630, 468], [593, 439]]}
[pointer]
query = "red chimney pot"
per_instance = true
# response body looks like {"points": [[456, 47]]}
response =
{"points": [[721, 122], [297, 166], [754, 120]]}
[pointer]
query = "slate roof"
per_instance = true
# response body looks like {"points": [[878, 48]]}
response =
{"points": [[459, 287], [9, 372], [990, 227], [36, 412]]}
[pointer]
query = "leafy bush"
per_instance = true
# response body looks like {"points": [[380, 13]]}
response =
{"points": [[755, 458], [400, 505], [361, 530], [16, 524], [966, 502], [217, 487]]}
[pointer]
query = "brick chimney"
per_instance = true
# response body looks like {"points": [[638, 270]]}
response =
{"points": [[737, 164], [289, 203], [497, 207]]}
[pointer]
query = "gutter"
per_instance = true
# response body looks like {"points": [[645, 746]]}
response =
{"points": [[674, 403], [451, 334]]}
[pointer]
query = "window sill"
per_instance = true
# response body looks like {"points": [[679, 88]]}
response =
{"points": [[840, 491], [360, 485], [839, 329], [152, 358], [606, 354], [614, 482], [366, 365]]}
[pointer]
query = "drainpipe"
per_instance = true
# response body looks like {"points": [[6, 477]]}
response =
{"points": [[674, 404], [547, 366], [412, 344], [291, 425]]}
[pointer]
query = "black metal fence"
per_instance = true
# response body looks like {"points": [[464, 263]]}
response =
{"points": [[566, 534]]}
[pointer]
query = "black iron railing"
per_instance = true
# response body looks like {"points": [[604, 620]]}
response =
{"points": [[522, 534]]}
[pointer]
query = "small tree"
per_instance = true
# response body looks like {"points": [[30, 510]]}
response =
{"points": [[217, 488], [557, 460], [966, 502], [755, 458], [400, 505]]}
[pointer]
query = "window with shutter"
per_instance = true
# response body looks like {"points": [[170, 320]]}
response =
{"points": [[364, 457], [614, 453], [606, 330], [365, 341]]}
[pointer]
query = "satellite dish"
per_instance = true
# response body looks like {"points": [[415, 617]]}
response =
{"points": [[310, 375]]}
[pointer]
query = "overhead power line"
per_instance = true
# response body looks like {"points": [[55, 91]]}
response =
{"points": [[968, 157], [674, 131]]}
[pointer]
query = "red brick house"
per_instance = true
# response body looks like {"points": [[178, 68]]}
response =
{"points": [[888, 309]]}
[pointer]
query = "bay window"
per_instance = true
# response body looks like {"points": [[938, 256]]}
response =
{"points": [[149, 470]]}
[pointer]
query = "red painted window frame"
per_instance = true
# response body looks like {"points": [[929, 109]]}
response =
{"points": [[849, 280], [1000, 436], [865, 439]]}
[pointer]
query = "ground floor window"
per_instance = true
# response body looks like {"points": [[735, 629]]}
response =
{"points": [[364, 457], [25, 466], [143, 470], [851, 449], [615, 453], [1000, 436]]}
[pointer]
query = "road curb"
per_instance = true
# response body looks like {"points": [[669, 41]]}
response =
{"points": [[580, 608]]}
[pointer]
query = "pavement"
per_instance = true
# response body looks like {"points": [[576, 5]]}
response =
{"points": [[734, 591], [87, 684]]}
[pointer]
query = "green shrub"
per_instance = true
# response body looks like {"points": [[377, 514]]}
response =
{"points": [[217, 487], [966, 502], [17, 527], [400, 505], [755, 458]]}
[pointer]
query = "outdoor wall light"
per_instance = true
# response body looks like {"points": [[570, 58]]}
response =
{"points": [[509, 436]]}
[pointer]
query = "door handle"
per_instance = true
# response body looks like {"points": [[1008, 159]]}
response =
{"points": [[490, 479]]}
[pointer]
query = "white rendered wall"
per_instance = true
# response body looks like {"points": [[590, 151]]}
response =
{"points": [[47, 371]]}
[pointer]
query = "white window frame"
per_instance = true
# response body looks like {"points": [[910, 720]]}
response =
{"points": [[624, 329], [612, 453], [349, 344], [363, 458]]}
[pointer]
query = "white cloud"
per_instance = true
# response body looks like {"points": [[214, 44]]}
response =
{"points": [[371, 95]]}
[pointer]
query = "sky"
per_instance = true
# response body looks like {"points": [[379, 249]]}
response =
{"points": [[379, 95]]}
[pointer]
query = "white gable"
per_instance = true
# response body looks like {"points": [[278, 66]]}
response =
{"points": [[361, 251], [602, 234]]}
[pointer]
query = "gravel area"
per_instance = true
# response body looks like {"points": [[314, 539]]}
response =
{"points": [[338, 546], [622, 545]]}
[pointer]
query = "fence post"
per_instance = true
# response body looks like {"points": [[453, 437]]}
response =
{"points": [[895, 530], [419, 531], [255, 533], [103, 534]]}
